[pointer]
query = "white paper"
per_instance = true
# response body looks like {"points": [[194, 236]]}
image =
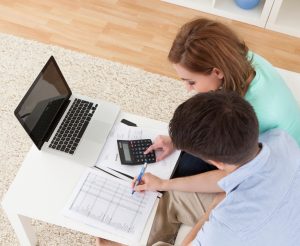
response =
{"points": [[109, 156], [107, 203]]}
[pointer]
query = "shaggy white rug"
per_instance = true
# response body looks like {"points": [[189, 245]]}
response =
{"points": [[135, 90]]}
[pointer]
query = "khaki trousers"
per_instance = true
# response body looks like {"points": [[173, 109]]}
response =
{"points": [[176, 208]]}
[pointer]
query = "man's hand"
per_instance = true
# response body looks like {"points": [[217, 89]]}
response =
{"points": [[163, 144], [149, 182]]}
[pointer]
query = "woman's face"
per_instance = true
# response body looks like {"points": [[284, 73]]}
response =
{"points": [[200, 82]]}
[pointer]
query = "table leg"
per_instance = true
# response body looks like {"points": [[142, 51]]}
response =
{"points": [[23, 228]]}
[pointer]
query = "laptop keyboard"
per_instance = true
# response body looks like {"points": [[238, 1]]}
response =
{"points": [[73, 126]]}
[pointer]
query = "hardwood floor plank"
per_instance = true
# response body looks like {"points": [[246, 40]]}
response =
{"points": [[134, 32]]}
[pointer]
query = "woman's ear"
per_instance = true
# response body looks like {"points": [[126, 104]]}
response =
{"points": [[218, 73]]}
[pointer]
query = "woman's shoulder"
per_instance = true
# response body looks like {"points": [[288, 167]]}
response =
{"points": [[267, 80], [263, 68], [272, 100]]}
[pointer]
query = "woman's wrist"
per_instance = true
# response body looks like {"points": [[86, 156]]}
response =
{"points": [[165, 185]]}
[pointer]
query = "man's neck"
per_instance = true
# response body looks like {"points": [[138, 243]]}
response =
{"points": [[231, 168]]}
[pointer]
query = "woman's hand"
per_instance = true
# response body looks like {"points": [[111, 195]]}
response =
{"points": [[149, 182], [163, 144]]}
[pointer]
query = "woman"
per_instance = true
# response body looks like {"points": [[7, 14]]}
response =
{"points": [[207, 55]]}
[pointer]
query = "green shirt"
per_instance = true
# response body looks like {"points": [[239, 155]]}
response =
{"points": [[273, 102]]}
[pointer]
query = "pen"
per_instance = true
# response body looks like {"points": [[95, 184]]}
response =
{"points": [[139, 178]]}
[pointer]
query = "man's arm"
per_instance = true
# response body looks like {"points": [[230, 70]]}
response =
{"points": [[203, 182], [193, 233]]}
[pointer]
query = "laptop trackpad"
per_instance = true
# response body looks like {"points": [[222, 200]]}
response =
{"points": [[97, 131]]}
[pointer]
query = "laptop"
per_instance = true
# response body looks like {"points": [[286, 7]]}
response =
{"points": [[70, 126]]}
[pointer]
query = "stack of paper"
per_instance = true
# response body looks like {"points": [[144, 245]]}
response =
{"points": [[109, 157], [107, 203]]}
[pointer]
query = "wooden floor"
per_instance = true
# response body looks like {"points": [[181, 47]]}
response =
{"points": [[134, 32]]}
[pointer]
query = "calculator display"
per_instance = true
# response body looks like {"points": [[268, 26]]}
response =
{"points": [[126, 151]]}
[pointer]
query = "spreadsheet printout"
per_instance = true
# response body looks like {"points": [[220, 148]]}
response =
{"points": [[107, 203]]}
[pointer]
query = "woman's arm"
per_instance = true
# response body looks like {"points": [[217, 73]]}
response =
{"points": [[193, 233], [203, 182], [206, 182]]}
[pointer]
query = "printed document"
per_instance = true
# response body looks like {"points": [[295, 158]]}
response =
{"points": [[107, 203], [109, 157]]}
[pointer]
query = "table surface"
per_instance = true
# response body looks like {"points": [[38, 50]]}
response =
{"points": [[45, 182]]}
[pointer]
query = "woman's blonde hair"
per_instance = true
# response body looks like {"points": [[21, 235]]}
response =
{"points": [[202, 45]]}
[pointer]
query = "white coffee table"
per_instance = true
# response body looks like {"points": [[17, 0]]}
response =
{"points": [[43, 185]]}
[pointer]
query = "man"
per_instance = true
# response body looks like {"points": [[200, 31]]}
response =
{"points": [[259, 196]]}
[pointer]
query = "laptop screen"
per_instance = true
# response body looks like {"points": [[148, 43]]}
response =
{"points": [[42, 102]]}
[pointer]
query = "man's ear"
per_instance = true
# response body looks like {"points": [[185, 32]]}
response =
{"points": [[217, 72], [220, 165]]}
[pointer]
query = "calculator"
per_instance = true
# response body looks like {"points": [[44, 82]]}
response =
{"points": [[132, 152]]}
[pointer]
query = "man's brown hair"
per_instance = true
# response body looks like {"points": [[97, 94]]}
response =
{"points": [[219, 126], [204, 44]]}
